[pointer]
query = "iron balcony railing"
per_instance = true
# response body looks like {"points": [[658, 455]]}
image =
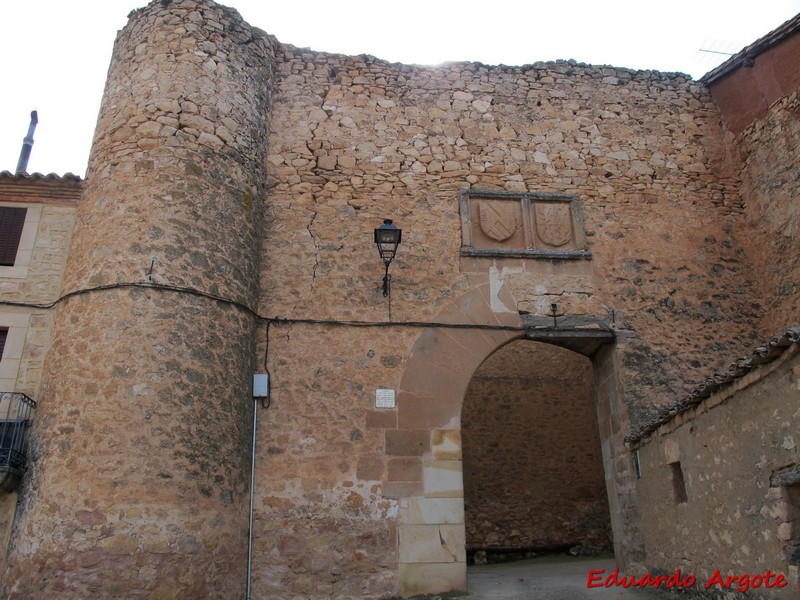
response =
{"points": [[16, 412]]}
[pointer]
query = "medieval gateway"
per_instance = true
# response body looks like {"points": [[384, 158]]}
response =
{"points": [[588, 338]]}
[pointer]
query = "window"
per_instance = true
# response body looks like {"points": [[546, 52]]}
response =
{"points": [[13, 331], [678, 483], [15, 418], [12, 220]]}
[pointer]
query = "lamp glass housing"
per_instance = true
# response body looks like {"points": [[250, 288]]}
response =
{"points": [[387, 238]]}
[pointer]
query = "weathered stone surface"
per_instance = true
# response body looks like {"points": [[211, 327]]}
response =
{"points": [[770, 163], [254, 173], [733, 518], [533, 472], [142, 430]]}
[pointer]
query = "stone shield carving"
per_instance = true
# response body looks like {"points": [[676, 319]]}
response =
{"points": [[498, 220], [553, 223]]}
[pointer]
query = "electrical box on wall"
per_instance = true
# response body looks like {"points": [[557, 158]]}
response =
{"points": [[261, 385]]}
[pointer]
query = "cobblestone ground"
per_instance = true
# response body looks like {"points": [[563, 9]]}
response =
{"points": [[549, 578]]}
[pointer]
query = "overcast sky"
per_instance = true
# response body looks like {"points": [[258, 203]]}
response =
{"points": [[56, 52]]}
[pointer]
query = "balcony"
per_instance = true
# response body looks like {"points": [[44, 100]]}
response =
{"points": [[16, 411]]}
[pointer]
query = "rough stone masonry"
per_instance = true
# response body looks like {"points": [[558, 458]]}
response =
{"points": [[225, 228]]}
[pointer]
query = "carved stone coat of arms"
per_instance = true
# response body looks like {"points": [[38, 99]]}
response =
{"points": [[498, 219], [553, 223], [506, 224]]}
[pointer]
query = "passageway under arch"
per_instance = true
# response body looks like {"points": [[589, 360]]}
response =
{"points": [[532, 461]]}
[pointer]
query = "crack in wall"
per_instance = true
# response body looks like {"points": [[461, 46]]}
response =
{"points": [[445, 546], [315, 242], [566, 293], [306, 291]]}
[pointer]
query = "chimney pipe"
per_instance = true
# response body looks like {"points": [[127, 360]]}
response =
{"points": [[27, 144]]}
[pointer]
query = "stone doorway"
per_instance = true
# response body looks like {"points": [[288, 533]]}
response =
{"points": [[431, 537], [532, 461]]}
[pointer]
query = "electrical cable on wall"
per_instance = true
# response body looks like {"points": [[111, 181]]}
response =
{"points": [[268, 320]]}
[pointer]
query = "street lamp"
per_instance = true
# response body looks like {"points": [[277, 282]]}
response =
{"points": [[387, 238]]}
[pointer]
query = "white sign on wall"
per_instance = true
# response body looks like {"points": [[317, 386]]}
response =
{"points": [[384, 398]]}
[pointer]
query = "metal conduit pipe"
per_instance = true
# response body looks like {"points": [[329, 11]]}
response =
{"points": [[27, 145], [252, 499], [260, 392]]}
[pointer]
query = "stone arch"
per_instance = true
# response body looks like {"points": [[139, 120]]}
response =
{"points": [[424, 451], [443, 360], [431, 547]]}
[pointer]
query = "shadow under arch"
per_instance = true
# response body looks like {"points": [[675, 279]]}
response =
{"points": [[425, 468], [532, 464]]}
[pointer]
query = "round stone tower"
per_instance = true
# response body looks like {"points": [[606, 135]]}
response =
{"points": [[139, 480]]}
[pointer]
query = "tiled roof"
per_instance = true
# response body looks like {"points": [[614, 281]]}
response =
{"points": [[39, 176], [750, 52], [763, 354], [36, 187]]}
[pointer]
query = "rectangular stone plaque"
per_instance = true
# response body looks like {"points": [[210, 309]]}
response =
{"points": [[384, 398], [496, 223]]}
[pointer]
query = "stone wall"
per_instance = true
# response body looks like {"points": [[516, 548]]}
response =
{"points": [[254, 173], [354, 140], [35, 279], [770, 186], [38, 271], [325, 522], [533, 473], [718, 487], [139, 476]]}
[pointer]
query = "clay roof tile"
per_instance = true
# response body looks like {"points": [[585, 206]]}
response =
{"points": [[761, 355]]}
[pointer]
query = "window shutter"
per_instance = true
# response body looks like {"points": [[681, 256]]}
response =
{"points": [[12, 221], [3, 336]]}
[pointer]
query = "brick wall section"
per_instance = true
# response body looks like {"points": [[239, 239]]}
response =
{"points": [[533, 473], [770, 186], [735, 518], [746, 86]]}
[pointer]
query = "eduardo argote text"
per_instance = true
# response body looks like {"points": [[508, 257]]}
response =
{"points": [[740, 583]]}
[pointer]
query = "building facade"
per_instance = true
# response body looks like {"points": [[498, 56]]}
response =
{"points": [[581, 247]]}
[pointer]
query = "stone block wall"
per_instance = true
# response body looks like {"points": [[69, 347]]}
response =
{"points": [[140, 449], [771, 186], [354, 140], [533, 472], [325, 523], [35, 279], [37, 274], [254, 174], [718, 486]]}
